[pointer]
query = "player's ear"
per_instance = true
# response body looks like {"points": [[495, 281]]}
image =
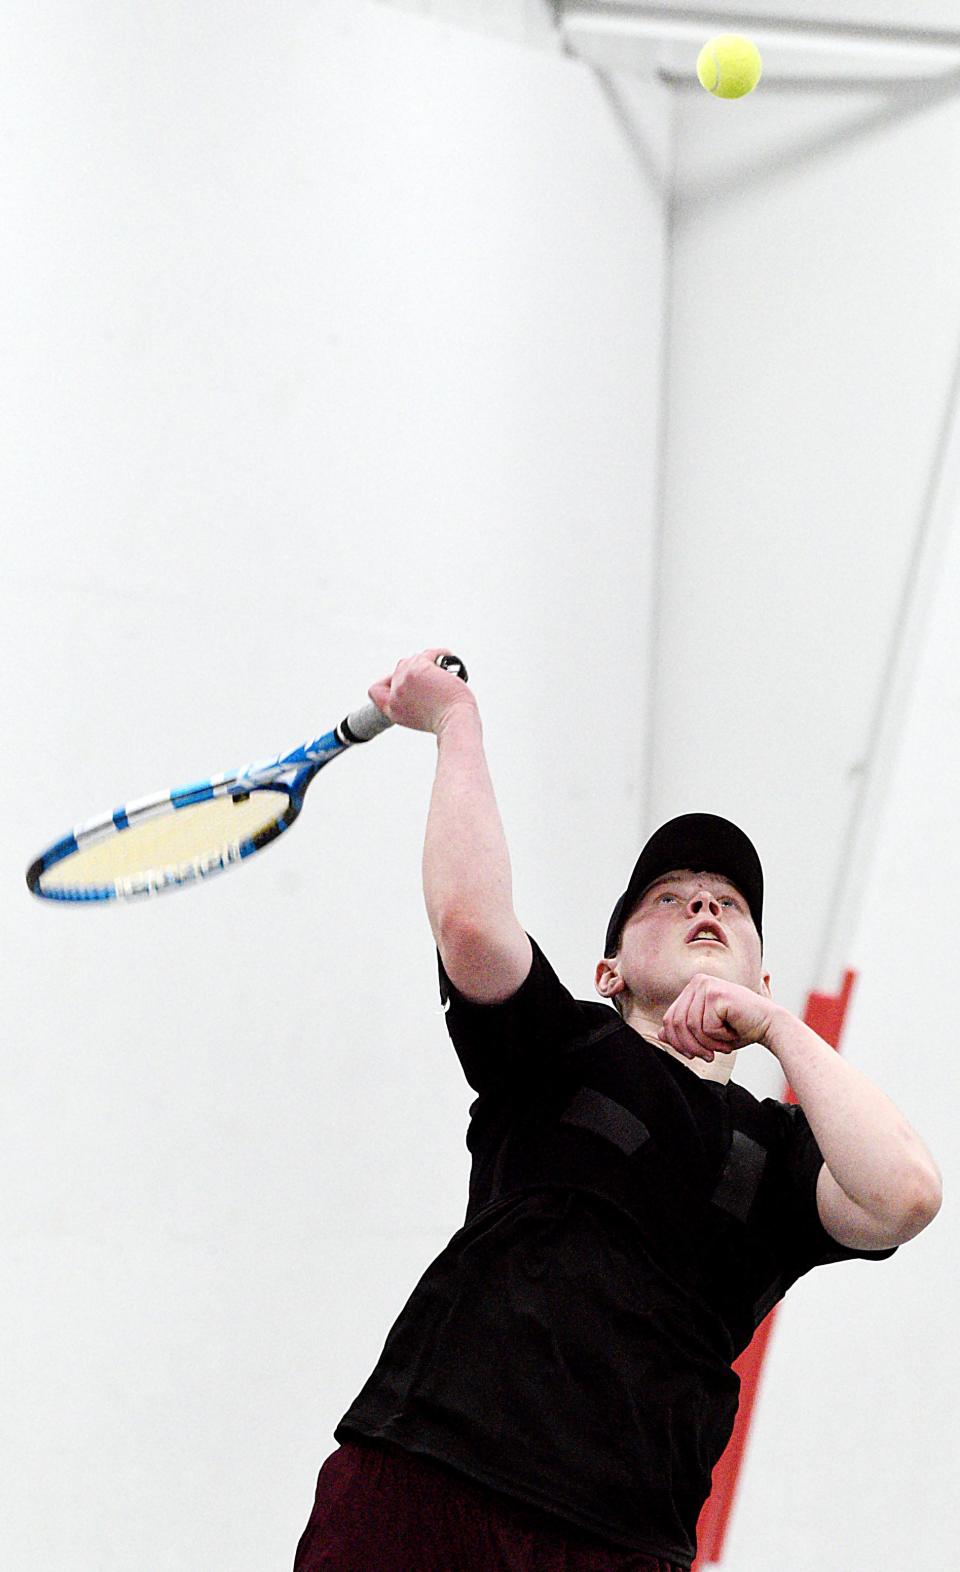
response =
{"points": [[607, 979]]}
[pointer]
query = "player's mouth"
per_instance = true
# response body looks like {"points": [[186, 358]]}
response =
{"points": [[705, 933]]}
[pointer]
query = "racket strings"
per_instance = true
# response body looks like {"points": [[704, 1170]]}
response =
{"points": [[182, 840]]}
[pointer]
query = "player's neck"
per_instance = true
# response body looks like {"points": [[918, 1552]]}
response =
{"points": [[719, 1069]]}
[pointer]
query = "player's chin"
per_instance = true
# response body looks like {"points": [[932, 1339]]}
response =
{"points": [[714, 959]]}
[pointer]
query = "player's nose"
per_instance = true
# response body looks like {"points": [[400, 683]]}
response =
{"points": [[703, 902]]}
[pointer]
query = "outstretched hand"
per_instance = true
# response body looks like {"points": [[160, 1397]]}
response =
{"points": [[712, 1016]]}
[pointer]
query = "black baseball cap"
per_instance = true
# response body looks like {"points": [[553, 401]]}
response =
{"points": [[700, 841]]}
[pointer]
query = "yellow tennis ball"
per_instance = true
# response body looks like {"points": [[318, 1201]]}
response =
{"points": [[729, 66]]}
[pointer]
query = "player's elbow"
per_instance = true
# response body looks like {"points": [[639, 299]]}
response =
{"points": [[924, 1202], [930, 1199]]}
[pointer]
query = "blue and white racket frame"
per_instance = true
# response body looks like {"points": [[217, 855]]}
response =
{"points": [[288, 773]]}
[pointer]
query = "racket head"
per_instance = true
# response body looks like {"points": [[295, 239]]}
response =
{"points": [[167, 842]]}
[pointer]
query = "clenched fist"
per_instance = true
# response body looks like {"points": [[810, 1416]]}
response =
{"points": [[420, 694], [712, 1016]]}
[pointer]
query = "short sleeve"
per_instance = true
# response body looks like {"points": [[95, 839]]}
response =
{"points": [[523, 1038], [795, 1172]]}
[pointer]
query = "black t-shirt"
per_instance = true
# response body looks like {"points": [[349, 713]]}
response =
{"points": [[629, 1225]]}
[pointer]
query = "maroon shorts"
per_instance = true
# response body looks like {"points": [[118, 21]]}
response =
{"points": [[379, 1509]]}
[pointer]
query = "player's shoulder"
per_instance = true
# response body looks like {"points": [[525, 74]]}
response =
{"points": [[507, 977], [768, 1119], [599, 1020]]}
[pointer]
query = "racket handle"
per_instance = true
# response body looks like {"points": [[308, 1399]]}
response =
{"points": [[364, 724]]}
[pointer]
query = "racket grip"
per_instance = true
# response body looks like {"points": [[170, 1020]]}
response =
{"points": [[364, 724]]}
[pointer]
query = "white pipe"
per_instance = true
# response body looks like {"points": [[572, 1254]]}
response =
{"points": [[938, 517]]}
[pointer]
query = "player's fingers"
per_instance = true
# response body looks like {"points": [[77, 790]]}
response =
{"points": [[404, 669], [426, 657], [698, 1023], [704, 1016], [709, 1025], [678, 1033], [697, 1010], [693, 1023], [669, 1032], [715, 1026], [666, 1033], [379, 692], [699, 1046], [426, 660], [715, 1023]]}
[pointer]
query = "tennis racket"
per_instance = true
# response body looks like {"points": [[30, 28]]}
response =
{"points": [[177, 837]]}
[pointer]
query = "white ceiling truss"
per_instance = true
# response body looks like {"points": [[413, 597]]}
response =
{"points": [[800, 54]]}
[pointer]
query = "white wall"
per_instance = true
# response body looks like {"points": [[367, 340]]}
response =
{"points": [[330, 333], [814, 336]]}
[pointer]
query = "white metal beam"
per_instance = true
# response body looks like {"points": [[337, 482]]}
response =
{"points": [[628, 19], [800, 56], [939, 513]]}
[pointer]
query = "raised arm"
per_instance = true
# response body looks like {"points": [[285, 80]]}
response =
{"points": [[467, 883]]}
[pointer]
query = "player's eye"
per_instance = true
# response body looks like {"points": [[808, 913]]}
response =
{"points": [[665, 897]]}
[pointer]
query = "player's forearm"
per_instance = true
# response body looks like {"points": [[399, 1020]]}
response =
{"points": [[867, 1144], [466, 864]]}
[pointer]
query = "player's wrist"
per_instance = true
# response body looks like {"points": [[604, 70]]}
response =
{"points": [[776, 1032], [460, 719]]}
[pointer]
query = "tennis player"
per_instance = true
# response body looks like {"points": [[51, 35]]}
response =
{"points": [[558, 1388]]}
